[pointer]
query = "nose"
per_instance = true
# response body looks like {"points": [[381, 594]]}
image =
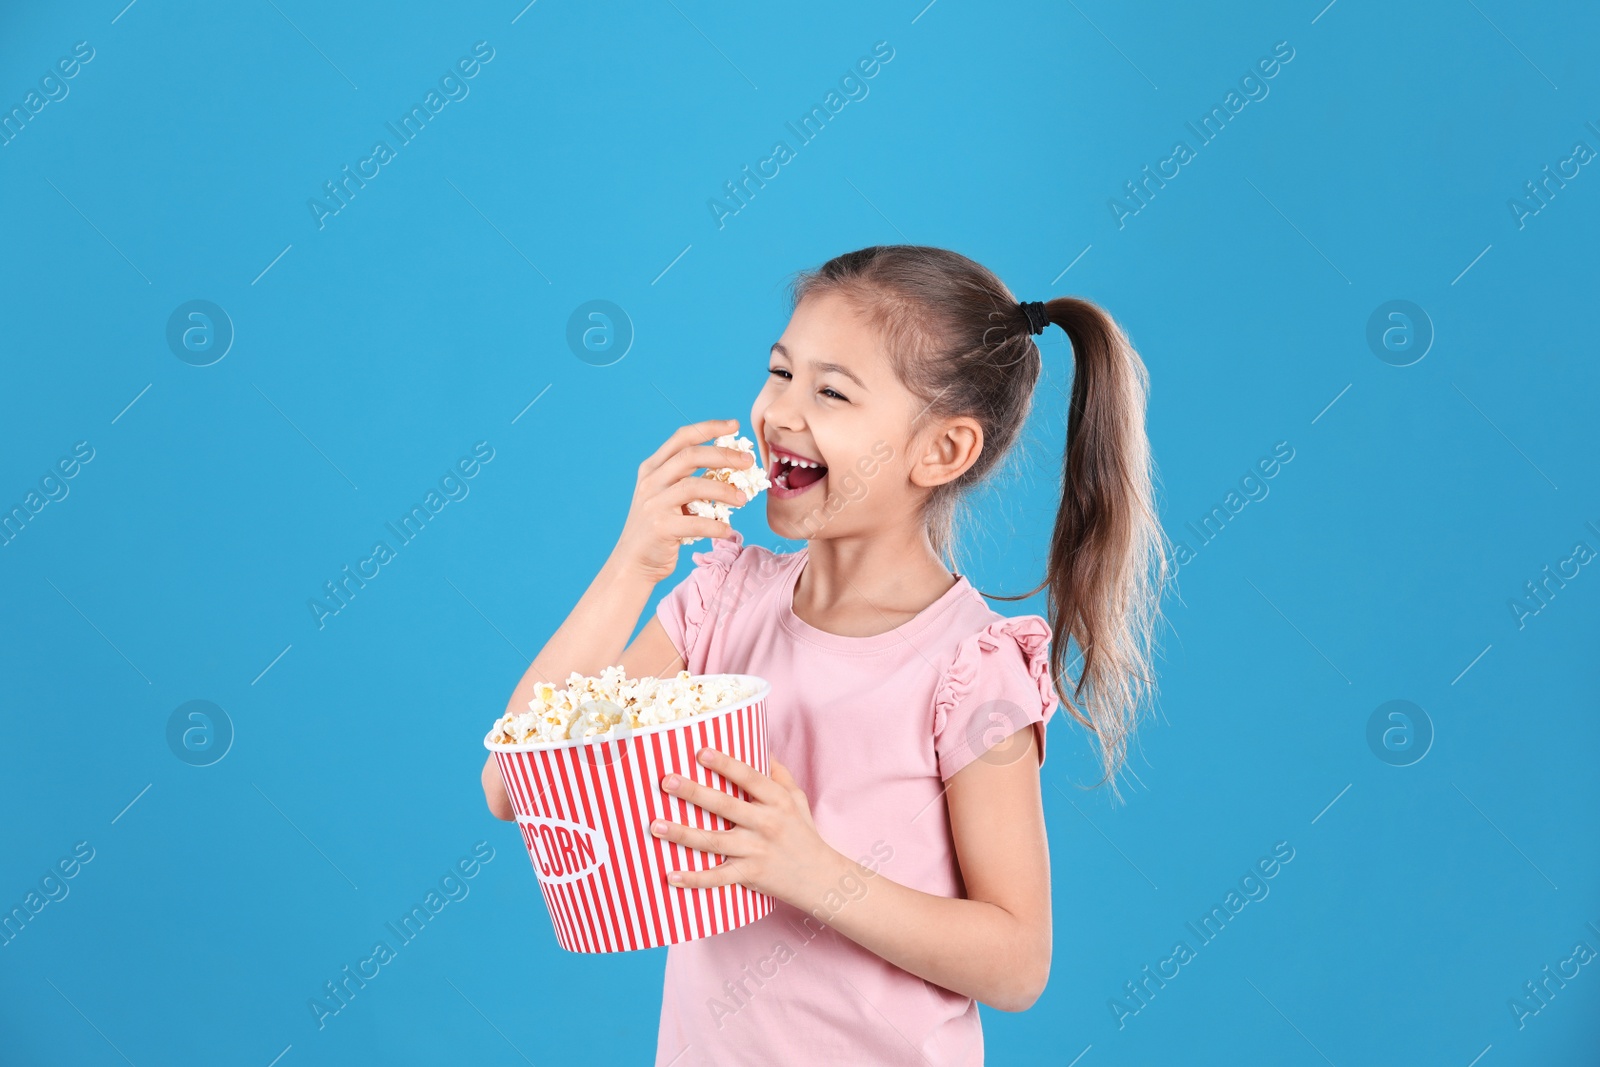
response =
{"points": [[782, 414]]}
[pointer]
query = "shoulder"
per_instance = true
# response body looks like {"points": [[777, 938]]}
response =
{"points": [[997, 680], [994, 656], [726, 576], [734, 554], [721, 556]]}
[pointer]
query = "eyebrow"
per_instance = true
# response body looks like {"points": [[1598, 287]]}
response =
{"points": [[821, 366]]}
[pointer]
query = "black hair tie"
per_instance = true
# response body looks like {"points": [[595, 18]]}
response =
{"points": [[1038, 319]]}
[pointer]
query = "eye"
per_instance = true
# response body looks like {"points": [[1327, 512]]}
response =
{"points": [[830, 393]]}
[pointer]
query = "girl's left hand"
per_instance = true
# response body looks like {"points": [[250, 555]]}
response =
{"points": [[773, 847]]}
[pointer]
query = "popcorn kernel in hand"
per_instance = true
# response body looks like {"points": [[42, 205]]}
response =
{"points": [[750, 482]]}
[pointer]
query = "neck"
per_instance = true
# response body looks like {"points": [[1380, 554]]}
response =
{"points": [[867, 584]]}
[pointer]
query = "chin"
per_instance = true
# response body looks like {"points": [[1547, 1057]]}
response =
{"points": [[789, 523]]}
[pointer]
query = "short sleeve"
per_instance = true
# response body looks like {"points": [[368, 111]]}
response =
{"points": [[684, 610], [998, 682]]}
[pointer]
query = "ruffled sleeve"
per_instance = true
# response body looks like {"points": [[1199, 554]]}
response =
{"points": [[998, 683], [683, 612]]}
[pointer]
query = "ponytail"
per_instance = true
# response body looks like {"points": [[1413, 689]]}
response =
{"points": [[1107, 559]]}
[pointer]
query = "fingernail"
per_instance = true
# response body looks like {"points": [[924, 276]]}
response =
{"points": [[658, 826], [674, 877], [669, 782]]}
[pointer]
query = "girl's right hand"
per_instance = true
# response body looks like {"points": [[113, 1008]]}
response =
{"points": [[658, 519]]}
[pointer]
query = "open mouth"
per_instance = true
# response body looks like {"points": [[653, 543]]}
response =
{"points": [[791, 475]]}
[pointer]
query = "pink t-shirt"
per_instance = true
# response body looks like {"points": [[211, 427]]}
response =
{"points": [[871, 728]]}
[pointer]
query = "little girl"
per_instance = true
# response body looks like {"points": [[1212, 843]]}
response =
{"points": [[901, 831]]}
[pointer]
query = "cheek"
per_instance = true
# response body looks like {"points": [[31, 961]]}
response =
{"points": [[758, 415]]}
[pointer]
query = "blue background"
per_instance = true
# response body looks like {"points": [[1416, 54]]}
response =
{"points": [[427, 315]]}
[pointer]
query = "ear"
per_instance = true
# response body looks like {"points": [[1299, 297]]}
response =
{"points": [[949, 448]]}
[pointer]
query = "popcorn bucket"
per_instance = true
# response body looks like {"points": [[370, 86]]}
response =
{"points": [[584, 808]]}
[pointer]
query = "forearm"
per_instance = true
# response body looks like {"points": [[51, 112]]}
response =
{"points": [[594, 634], [971, 947]]}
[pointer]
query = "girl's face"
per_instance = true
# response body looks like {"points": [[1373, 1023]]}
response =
{"points": [[832, 398]]}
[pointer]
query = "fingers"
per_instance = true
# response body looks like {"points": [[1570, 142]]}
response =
{"points": [[726, 873], [687, 435], [753, 782], [732, 843], [714, 842], [686, 489], [736, 810], [695, 526], [693, 457]]}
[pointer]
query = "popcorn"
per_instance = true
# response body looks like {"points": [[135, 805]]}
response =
{"points": [[610, 706], [750, 482]]}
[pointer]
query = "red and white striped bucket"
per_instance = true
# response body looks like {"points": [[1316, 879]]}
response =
{"points": [[585, 811]]}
